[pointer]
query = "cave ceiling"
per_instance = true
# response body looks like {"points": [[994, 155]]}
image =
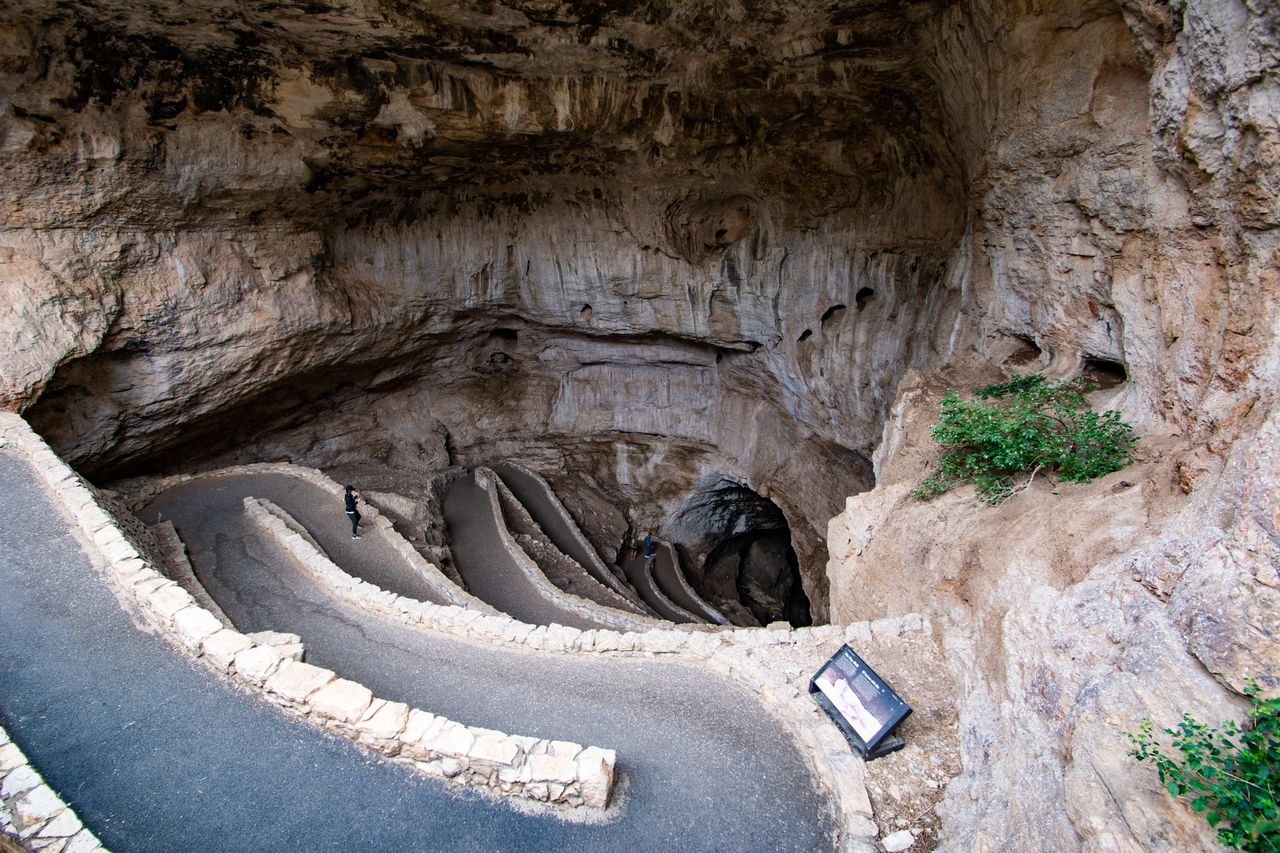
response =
{"points": [[390, 102]]}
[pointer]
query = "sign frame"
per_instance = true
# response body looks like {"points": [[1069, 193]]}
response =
{"points": [[848, 667]]}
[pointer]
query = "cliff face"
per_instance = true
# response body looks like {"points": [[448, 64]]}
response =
{"points": [[672, 245]]}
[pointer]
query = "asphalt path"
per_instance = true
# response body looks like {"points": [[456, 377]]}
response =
{"points": [[488, 569], [156, 753], [633, 568], [703, 765]]}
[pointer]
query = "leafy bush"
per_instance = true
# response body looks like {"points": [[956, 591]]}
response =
{"points": [[1025, 425], [1230, 774]]}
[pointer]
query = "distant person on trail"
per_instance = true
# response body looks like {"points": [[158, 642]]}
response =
{"points": [[352, 498], [650, 552], [632, 546]]}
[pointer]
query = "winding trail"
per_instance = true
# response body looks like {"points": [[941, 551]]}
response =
{"points": [[545, 509], [650, 593], [487, 567], [705, 767], [669, 578]]}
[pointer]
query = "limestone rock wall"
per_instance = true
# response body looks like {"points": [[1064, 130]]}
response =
{"points": [[1123, 212]]}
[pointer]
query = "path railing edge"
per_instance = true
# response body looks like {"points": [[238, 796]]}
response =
{"points": [[728, 653], [557, 772]]}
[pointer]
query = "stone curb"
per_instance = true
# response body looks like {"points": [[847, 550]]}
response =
{"points": [[32, 813], [436, 580], [511, 764], [576, 532], [552, 594], [548, 771], [708, 612], [739, 654], [521, 525], [654, 588], [174, 554]]}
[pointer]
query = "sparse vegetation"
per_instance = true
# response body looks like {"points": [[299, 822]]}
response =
{"points": [[1231, 775], [1009, 432]]}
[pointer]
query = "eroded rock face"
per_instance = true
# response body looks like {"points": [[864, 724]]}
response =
{"points": [[650, 246]]}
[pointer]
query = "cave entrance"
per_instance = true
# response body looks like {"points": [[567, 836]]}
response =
{"points": [[746, 565]]}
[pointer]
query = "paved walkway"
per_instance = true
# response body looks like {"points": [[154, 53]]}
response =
{"points": [[704, 766], [488, 568], [155, 753]]}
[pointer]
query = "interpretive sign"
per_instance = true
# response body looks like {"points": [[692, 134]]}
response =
{"points": [[865, 708]]}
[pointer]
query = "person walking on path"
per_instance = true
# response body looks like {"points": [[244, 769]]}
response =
{"points": [[352, 497], [650, 552]]}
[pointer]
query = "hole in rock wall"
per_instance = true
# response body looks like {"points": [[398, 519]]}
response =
{"points": [[1025, 351], [804, 336], [1103, 372], [742, 543], [862, 297], [832, 315]]}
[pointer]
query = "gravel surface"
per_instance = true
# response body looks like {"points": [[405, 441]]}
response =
{"points": [[704, 766]]}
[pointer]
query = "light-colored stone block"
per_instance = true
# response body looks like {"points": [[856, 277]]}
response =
{"points": [[295, 681], [564, 748], [194, 625], [83, 841], [20, 781], [38, 804], [387, 722], [552, 768], [417, 726], [64, 825], [341, 699], [595, 769], [11, 757], [119, 552], [257, 663], [222, 646], [169, 599], [898, 841], [452, 739], [495, 749], [274, 638]]}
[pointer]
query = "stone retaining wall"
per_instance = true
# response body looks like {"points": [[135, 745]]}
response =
{"points": [[32, 813], [558, 598], [549, 771], [178, 568], [761, 660], [707, 611]]}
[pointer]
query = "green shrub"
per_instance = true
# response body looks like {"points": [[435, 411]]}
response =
{"points": [[1026, 425], [1231, 775]]}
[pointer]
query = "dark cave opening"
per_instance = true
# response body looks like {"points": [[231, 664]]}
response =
{"points": [[750, 570]]}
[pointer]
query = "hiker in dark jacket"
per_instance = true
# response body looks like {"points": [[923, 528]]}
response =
{"points": [[352, 498]]}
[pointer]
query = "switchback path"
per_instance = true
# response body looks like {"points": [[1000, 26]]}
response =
{"points": [[488, 569], [706, 768], [156, 753]]}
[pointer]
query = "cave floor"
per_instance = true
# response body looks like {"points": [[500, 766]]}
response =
{"points": [[156, 753]]}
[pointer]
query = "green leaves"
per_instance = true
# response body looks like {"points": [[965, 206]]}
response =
{"points": [[1234, 772], [1020, 426]]}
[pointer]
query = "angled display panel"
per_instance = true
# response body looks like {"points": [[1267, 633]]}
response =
{"points": [[865, 708]]}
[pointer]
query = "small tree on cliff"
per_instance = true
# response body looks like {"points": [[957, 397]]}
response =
{"points": [[1027, 425]]}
